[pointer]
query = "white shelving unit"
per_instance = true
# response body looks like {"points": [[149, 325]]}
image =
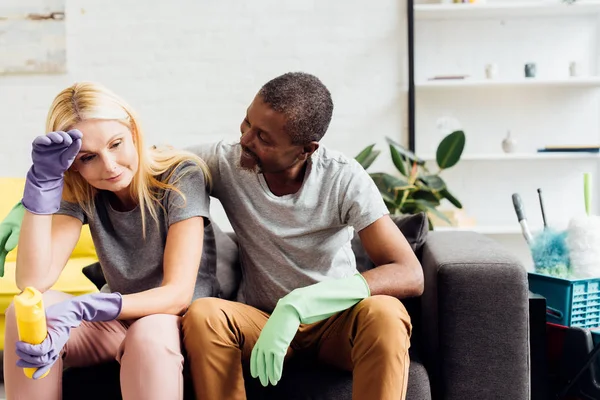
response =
{"points": [[548, 110], [522, 156], [486, 230], [505, 10], [592, 81]]}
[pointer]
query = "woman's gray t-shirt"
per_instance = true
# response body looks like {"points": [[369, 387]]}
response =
{"points": [[132, 264]]}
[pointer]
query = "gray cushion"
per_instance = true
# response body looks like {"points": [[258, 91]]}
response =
{"points": [[414, 227], [310, 380], [302, 380], [228, 264]]}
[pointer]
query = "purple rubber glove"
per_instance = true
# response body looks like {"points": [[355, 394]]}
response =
{"points": [[52, 155], [60, 319]]}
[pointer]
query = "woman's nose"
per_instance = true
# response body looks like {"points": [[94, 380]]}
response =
{"points": [[109, 163]]}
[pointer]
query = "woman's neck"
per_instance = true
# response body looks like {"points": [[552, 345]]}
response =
{"points": [[122, 200]]}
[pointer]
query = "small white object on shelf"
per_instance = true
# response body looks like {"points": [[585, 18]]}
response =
{"points": [[491, 71], [506, 9], [574, 68], [509, 143]]}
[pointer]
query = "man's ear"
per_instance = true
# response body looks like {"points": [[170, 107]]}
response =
{"points": [[308, 149]]}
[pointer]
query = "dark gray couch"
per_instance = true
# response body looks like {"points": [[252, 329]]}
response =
{"points": [[470, 337]]}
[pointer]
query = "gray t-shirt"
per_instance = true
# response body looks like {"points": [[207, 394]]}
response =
{"points": [[132, 264], [294, 240]]}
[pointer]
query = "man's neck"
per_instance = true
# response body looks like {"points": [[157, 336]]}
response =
{"points": [[288, 181]]}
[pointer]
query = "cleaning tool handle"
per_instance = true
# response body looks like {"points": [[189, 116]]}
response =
{"points": [[519, 209], [587, 193], [542, 208], [518, 204]]}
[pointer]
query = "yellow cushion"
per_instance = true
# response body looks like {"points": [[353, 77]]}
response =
{"points": [[71, 281], [12, 192]]}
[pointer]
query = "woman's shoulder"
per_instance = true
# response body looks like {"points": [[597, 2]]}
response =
{"points": [[181, 169]]}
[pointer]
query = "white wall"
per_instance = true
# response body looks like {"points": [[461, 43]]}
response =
{"points": [[191, 68]]}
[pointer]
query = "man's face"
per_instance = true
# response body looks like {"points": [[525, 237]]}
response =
{"points": [[265, 143]]}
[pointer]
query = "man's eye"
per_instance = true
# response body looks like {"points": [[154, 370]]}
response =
{"points": [[261, 137]]}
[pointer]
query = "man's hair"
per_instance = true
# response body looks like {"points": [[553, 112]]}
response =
{"points": [[305, 102]]}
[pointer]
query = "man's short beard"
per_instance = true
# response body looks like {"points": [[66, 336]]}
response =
{"points": [[255, 168]]}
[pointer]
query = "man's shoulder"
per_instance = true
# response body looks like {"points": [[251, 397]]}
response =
{"points": [[332, 160], [222, 147]]}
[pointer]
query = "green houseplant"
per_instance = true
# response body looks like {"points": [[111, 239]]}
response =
{"points": [[416, 188]]}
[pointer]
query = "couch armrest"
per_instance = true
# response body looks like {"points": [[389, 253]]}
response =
{"points": [[474, 318]]}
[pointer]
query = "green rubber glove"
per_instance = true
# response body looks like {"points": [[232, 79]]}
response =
{"points": [[304, 305], [9, 232]]}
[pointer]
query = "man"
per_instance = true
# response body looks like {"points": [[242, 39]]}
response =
{"points": [[292, 204]]}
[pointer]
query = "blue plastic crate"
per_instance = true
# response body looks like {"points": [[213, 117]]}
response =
{"points": [[569, 302]]}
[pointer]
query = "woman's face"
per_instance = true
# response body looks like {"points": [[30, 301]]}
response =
{"points": [[108, 159]]}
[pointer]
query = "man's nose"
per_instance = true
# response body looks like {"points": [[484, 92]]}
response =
{"points": [[246, 139]]}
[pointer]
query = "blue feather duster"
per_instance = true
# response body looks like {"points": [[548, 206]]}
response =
{"points": [[550, 253]]}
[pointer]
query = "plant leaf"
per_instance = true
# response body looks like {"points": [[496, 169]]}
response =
{"points": [[427, 196], [410, 208], [392, 207], [405, 152], [390, 182], [398, 160], [447, 195], [388, 185], [433, 182], [364, 154], [450, 149], [369, 159], [430, 208]]}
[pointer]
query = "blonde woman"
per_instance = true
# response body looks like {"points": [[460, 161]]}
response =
{"points": [[148, 211]]}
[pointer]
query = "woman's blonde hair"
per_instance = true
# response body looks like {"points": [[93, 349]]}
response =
{"points": [[91, 101]]}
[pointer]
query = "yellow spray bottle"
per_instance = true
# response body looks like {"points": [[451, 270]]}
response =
{"points": [[31, 320]]}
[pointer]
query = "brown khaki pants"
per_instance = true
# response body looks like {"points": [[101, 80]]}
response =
{"points": [[371, 339]]}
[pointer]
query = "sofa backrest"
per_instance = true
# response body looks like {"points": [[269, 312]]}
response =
{"points": [[12, 193], [414, 227]]}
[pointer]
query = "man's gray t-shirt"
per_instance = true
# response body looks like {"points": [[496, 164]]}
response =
{"points": [[298, 239], [132, 264]]}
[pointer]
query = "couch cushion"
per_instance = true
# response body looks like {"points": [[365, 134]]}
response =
{"points": [[414, 227], [229, 272], [12, 193], [301, 381]]}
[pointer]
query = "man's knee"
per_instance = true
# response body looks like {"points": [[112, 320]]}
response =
{"points": [[203, 319], [384, 315]]}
